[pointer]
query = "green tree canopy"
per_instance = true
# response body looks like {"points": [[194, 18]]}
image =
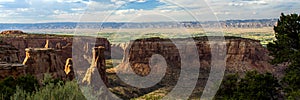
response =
{"points": [[253, 86], [287, 43], [287, 49]]}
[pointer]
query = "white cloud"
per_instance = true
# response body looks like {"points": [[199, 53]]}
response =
{"points": [[59, 12], [77, 9], [71, 10], [127, 11], [235, 4], [23, 9], [3, 1], [140, 0], [257, 2]]}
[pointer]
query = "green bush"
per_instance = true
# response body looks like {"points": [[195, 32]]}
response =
{"points": [[253, 86], [52, 90], [27, 88], [9, 85], [68, 91]]}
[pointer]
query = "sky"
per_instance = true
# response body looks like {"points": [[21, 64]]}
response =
{"points": [[35, 11]]}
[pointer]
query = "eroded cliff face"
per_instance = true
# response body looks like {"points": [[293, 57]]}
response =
{"points": [[50, 54], [62, 44], [44, 60], [69, 69], [9, 62], [241, 54], [96, 74], [8, 53]]}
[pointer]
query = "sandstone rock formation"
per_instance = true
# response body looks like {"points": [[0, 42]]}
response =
{"points": [[62, 44], [9, 62], [10, 69], [47, 54], [12, 32], [97, 68], [69, 69], [8, 53], [44, 60], [96, 73], [242, 55]]}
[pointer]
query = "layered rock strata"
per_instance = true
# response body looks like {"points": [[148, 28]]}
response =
{"points": [[96, 73], [9, 62], [241, 54], [63, 44], [44, 60]]}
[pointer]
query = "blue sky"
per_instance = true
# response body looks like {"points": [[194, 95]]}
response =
{"points": [[32, 11]]}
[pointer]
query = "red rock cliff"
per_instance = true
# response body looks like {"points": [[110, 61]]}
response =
{"points": [[44, 60], [242, 54], [9, 62], [61, 43]]}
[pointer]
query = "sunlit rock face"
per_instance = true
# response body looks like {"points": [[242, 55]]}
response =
{"points": [[241, 54], [12, 32], [44, 60], [69, 70], [96, 72]]}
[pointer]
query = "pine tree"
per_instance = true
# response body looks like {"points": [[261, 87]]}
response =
{"points": [[287, 49], [287, 44]]}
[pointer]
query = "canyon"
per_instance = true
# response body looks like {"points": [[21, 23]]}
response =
{"points": [[38, 54], [242, 54], [153, 56], [62, 44]]}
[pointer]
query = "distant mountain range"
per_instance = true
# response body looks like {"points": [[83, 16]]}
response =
{"points": [[127, 25]]}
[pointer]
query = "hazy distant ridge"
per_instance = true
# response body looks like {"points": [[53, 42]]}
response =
{"points": [[114, 25]]}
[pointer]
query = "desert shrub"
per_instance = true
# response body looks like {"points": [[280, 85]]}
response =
{"points": [[48, 79], [51, 90], [9, 85]]}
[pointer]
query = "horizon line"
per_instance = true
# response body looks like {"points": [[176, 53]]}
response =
{"points": [[134, 22]]}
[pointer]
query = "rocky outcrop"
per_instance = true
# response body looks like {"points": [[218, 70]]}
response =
{"points": [[11, 69], [44, 60], [69, 69], [242, 55], [96, 72], [12, 32], [8, 53], [63, 44], [9, 62], [48, 53]]}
